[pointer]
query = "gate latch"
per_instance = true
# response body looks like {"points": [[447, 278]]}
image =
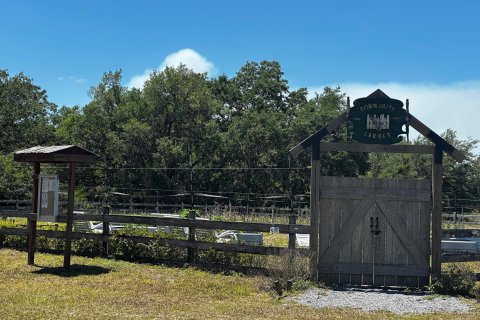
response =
{"points": [[374, 225]]}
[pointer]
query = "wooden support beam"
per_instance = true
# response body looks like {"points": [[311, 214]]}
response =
{"points": [[435, 138], [292, 220], [68, 231], [385, 148], [191, 252], [106, 230], [317, 136], [32, 221], [437, 213], [314, 209]]}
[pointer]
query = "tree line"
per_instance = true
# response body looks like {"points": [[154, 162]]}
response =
{"points": [[185, 131]]}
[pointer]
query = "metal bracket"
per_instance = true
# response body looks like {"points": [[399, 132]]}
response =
{"points": [[374, 226]]}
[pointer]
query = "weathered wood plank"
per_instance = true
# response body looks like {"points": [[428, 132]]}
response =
{"points": [[435, 138], [32, 222], [374, 193], [69, 227], [13, 231], [356, 245], [460, 233], [403, 235], [385, 148], [342, 237], [226, 247], [314, 138], [13, 214], [200, 224], [379, 246], [315, 214], [366, 268], [461, 257], [437, 170], [365, 247]]}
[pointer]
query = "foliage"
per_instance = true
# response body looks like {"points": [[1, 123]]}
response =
{"points": [[456, 280], [24, 113], [173, 134], [460, 180], [288, 267], [14, 179]]}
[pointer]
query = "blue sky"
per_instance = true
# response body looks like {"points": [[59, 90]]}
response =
{"points": [[427, 51]]}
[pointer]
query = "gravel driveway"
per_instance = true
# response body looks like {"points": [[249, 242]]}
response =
{"points": [[391, 300]]}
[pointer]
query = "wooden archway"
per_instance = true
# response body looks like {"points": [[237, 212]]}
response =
{"points": [[440, 146]]}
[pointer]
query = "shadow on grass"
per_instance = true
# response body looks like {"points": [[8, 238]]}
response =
{"points": [[75, 271]]}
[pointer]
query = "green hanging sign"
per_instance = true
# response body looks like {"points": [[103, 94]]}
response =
{"points": [[377, 119]]}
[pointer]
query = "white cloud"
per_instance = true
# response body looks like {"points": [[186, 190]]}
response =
{"points": [[79, 80], [139, 81], [189, 57], [453, 106], [72, 79]]}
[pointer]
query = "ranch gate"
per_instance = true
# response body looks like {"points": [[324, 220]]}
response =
{"points": [[381, 232]]}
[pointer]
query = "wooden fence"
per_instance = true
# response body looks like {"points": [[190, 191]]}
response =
{"points": [[459, 217], [131, 207], [191, 244]]}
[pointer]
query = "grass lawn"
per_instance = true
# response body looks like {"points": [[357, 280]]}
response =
{"points": [[108, 289]]}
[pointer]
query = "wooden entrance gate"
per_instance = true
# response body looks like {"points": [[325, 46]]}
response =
{"points": [[374, 231]]}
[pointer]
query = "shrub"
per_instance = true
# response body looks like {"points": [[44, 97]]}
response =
{"points": [[87, 247], [14, 242], [288, 267], [455, 281]]}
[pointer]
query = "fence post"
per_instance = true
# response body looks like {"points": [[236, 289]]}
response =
{"points": [[191, 237], [106, 229], [292, 219], [32, 237]]}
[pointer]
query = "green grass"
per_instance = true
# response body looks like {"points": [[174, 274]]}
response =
{"points": [[109, 289]]}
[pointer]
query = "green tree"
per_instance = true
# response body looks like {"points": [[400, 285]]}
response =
{"points": [[318, 112], [24, 113], [183, 121], [15, 179], [261, 86], [460, 180]]}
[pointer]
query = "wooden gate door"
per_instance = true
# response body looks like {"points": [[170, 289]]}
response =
{"points": [[374, 231]]}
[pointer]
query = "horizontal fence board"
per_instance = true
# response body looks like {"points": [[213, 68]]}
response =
{"points": [[380, 269], [460, 233], [13, 214], [201, 224], [378, 194], [463, 257], [364, 147], [177, 243], [226, 247], [13, 231], [460, 216]]}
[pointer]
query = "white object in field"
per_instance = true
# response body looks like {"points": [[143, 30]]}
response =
{"points": [[254, 238], [274, 230], [87, 226], [303, 239], [460, 246]]}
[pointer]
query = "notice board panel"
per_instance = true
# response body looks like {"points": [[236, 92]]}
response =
{"points": [[47, 197]]}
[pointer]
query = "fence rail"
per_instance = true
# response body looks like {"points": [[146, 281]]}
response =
{"points": [[461, 218], [142, 207], [131, 207], [192, 224]]}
